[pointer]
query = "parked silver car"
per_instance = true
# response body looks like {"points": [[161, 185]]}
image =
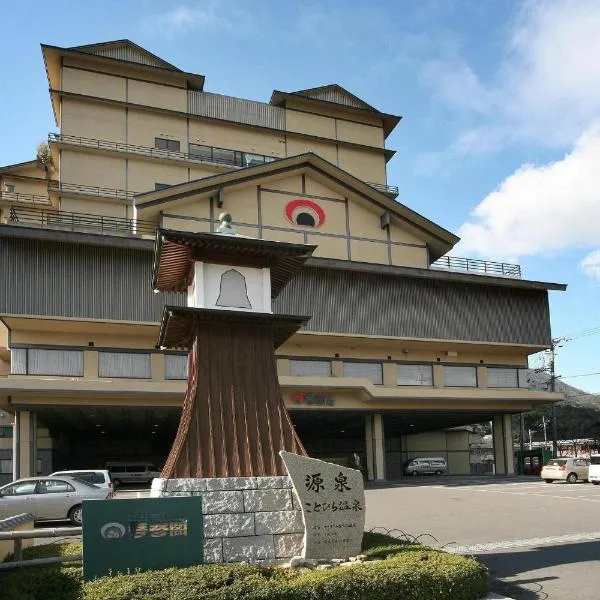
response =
{"points": [[49, 498]]}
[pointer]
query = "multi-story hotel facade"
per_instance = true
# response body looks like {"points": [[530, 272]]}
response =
{"points": [[405, 344]]}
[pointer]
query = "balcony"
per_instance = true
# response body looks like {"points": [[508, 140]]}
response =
{"points": [[388, 190], [91, 190], [479, 267], [79, 222], [23, 198], [198, 154]]}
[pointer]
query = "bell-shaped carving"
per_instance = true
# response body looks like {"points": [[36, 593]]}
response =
{"points": [[233, 291]]}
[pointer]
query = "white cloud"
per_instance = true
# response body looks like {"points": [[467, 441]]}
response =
{"points": [[185, 18], [546, 89], [591, 264], [542, 209]]}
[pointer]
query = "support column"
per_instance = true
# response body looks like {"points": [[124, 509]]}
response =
{"points": [[503, 445], [25, 444], [379, 447], [369, 447], [16, 460]]}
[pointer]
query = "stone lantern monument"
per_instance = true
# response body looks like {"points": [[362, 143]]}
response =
{"points": [[234, 422]]}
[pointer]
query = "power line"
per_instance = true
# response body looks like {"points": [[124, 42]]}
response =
{"points": [[581, 375], [581, 333]]}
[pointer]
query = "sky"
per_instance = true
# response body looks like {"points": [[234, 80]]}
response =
{"points": [[500, 136]]}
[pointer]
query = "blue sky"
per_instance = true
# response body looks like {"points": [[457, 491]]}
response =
{"points": [[500, 136]]}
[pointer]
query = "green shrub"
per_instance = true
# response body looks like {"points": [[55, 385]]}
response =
{"points": [[407, 572]]}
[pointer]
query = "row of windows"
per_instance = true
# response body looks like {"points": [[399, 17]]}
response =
{"points": [[225, 156], [69, 363], [411, 374]]}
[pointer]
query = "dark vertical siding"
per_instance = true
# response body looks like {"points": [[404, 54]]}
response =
{"points": [[372, 304], [64, 279]]}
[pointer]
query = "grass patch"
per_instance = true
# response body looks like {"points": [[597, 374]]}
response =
{"points": [[407, 571]]}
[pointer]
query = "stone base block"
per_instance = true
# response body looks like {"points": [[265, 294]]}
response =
{"points": [[245, 518]]}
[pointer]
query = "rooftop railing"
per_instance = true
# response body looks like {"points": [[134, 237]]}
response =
{"points": [[200, 154], [26, 198], [91, 190], [80, 222], [480, 267], [391, 190]]}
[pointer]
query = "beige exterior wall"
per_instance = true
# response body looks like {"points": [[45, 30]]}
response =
{"points": [[154, 94], [365, 164], [143, 127], [310, 124], [358, 133], [92, 169], [98, 206], [93, 120], [326, 150], [366, 222], [316, 188], [328, 247], [185, 224], [409, 256], [25, 186], [93, 84], [369, 252], [143, 174], [246, 139]]}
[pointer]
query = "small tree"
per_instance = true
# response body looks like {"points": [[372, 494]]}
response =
{"points": [[44, 157]]}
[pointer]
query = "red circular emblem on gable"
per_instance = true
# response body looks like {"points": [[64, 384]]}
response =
{"points": [[304, 212]]}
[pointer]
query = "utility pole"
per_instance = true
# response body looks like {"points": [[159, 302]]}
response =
{"points": [[553, 389]]}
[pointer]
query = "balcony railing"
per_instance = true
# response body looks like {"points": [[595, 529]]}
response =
{"points": [[91, 190], [26, 198], [391, 190], [474, 265], [81, 222], [201, 154]]}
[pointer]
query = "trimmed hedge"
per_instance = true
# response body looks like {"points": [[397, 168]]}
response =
{"points": [[406, 572]]}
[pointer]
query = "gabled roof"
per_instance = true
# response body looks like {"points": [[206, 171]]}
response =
{"points": [[439, 240], [335, 95], [22, 165], [125, 50]]}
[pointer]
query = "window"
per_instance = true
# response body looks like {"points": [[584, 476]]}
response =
{"points": [[161, 186], [128, 365], [310, 368], [176, 366], [201, 151], [6, 466], [525, 379], [6, 431], [165, 144], [22, 488], [507, 378], [460, 376], [10, 188], [221, 155], [54, 486], [37, 361], [414, 374], [365, 370]]}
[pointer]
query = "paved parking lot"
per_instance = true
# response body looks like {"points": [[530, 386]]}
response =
{"points": [[540, 541]]}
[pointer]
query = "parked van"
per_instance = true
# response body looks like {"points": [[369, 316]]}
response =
{"points": [[594, 470], [427, 465], [132, 472]]}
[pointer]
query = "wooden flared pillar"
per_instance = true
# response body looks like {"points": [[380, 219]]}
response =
{"points": [[234, 421]]}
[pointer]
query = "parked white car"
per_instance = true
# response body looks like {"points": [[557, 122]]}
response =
{"points": [[98, 477], [49, 498], [427, 465], [594, 470], [132, 472]]}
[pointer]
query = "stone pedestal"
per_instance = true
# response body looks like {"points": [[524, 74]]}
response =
{"points": [[252, 519]]}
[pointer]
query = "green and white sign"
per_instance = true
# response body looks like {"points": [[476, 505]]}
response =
{"points": [[142, 533]]}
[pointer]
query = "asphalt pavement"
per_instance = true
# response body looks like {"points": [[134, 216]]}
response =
{"points": [[540, 541]]}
